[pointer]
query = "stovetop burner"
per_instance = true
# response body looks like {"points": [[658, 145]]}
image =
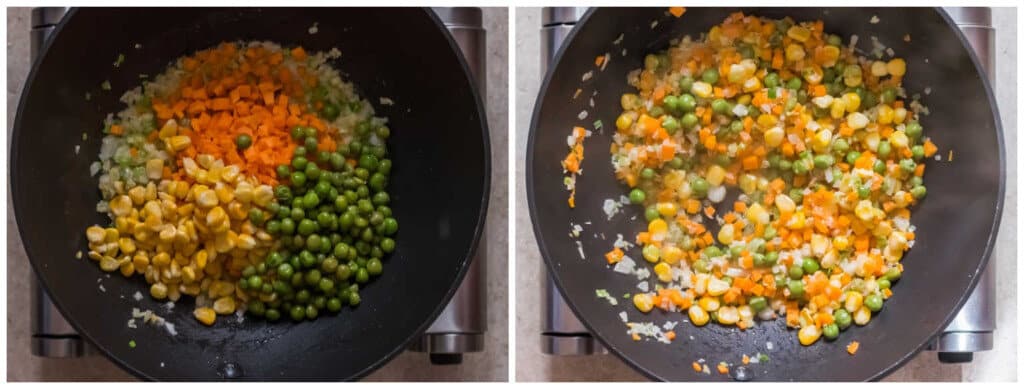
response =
{"points": [[970, 331], [459, 328]]}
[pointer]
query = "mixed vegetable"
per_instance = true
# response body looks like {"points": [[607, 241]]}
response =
{"points": [[825, 152], [250, 177]]}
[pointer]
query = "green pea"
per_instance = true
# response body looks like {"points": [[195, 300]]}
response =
{"points": [[864, 191], [840, 145], [298, 313], [312, 171], [873, 302], [796, 272], [685, 84], [313, 243], [387, 245], [800, 167], [676, 163], [689, 120], [823, 161], [287, 226], [918, 152], [893, 274], [771, 258], [888, 95], [842, 318], [712, 252], [884, 284], [651, 213], [701, 266], [810, 266], [758, 304], [771, 80], [700, 187], [353, 299], [310, 200], [299, 163], [390, 226], [670, 124], [720, 106], [831, 331], [656, 111], [306, 227], [283, 193], [285, 270], [333, 304], [637, 196], [879, 166], [919, 192], [298, 179], [362, 275], [243, 141], [710, 76], [796, 289], [884, 149], [368, 162], [914, 130], [785, 165], [908, 165], [374, 266], [852, 157], [330, 111], [298, 214], [794, 83]]}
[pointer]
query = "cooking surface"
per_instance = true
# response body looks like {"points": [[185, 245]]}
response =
{"points": [[488, 365], [533, 366]]}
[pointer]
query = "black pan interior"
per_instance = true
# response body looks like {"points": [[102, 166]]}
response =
{"points": [[956, 223], [439, 184]]}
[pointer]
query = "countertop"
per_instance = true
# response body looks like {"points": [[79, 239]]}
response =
{"points": [[490, 365], [531, 365]]}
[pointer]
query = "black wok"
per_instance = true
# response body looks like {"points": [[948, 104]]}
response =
{"points": [[956, 222], [439, 184]]}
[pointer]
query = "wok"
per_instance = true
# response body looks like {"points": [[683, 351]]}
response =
{"points": [[439, 184], [956, 222]]}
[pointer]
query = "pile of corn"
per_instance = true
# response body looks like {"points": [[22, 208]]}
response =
{"points": [[189, 237], [825, 148]]}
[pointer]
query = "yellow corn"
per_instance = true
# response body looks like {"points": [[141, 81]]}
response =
{"points": [[643, 302], [785, 203], [838, 108], [899, 115], [667, 208], [758, 214], [795, 52], [797, 222], [878, 69], [854, 301], [852, 102], [709, 303], [862, 316], [885, 114], [664, 272], [798, 33], [773, 137], [715, 175], [899, 139], [728, 315], [897, 67], [766, 121], [809, 334], [179, 142], [95, 234], [698, 316], [830, 55], [224, 305], [671, 254], [857, 120], [701, 89], [821, 141], [725, 234], [205, 315], [624, 122]]}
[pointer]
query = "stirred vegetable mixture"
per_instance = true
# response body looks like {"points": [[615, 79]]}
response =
{"points": [[251, 177], [821, 147]]}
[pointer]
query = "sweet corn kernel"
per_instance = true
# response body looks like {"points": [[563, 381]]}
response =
{"points": [[899, 139], [862, 316], [178, 143], [725, 234], [766, 121], [701, 89], [758, 214], [795, 52], [138, 195], [854, 300], [821, 141], [205, 315], [728, 315], [899, 115], [819, 244], [830, 54], [897, 67], [224, 305], [885, 114], [841, 242], [878, 69], [857, 120], [643, 302], [698, 316], [773, 137], [715, 175], [95, 234], [785, 203], [809, 334], [207, 198], [838, 109], [851, 101], [709, 303], [798, 33], [663, 271], [864, 210], [671, 254], [624, 122], [651, 253], [797, 222]]}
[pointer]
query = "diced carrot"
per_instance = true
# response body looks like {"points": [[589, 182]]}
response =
{"points": [[677, 11], [853, 347]]}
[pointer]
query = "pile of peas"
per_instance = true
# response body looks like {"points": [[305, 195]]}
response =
{"points": [[333, 225]]}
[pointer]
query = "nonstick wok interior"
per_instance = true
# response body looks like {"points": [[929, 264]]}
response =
{"points": [[439, 184]]}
